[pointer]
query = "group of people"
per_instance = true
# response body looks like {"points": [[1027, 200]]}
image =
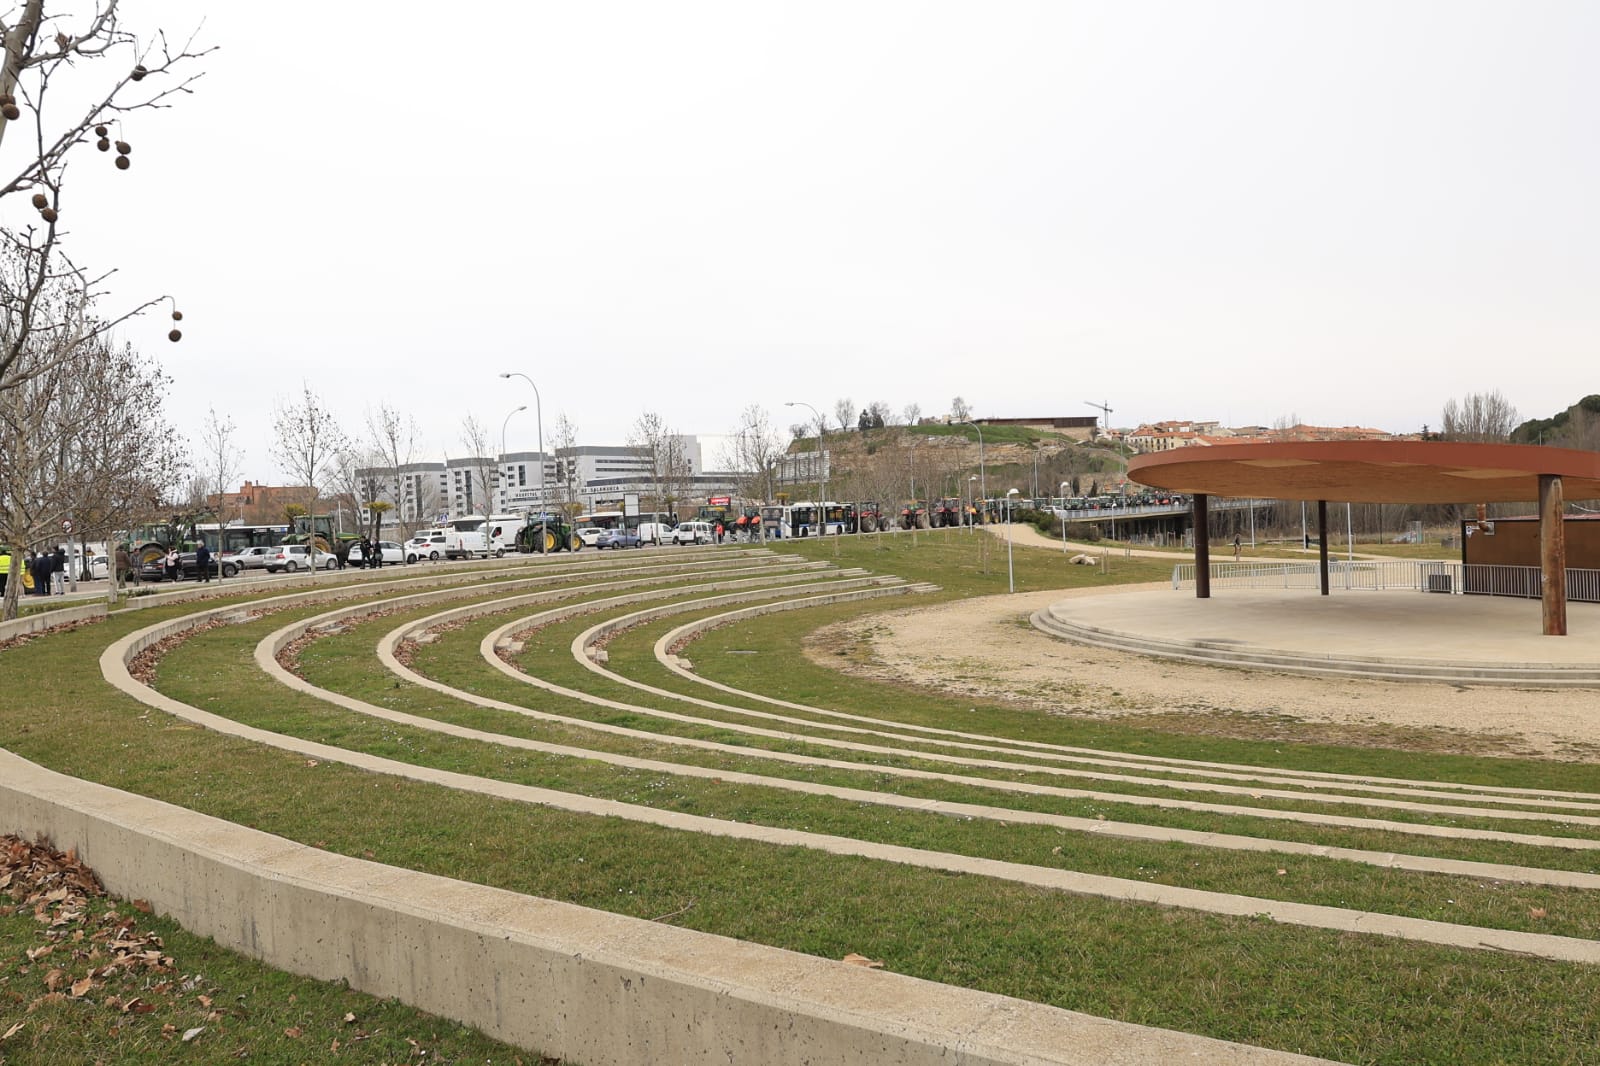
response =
{"points": [[37, 570], [371, 554]]}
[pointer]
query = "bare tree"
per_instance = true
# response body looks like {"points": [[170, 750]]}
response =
{"points": [[78, 447], [351, 480], [960, 410], [565, 442], [74, 51], [1479, 416], [307, 440], [754, 453], [483, 474], [666, 463], [393, 437], [844, 413], [220, 457], [913, 414]]}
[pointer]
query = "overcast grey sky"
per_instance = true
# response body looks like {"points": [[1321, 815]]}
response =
{"points": [[1235, 211]]}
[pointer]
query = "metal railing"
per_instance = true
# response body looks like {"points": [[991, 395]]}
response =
{"points": [[1477, 579]]}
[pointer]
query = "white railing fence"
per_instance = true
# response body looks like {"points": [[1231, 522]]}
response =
{"points": [[1583, 586]]}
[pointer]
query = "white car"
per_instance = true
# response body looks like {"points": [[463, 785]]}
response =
{"points": [[429, 544], [694, 533], [389, 551], [292, 557], [590, 535]]}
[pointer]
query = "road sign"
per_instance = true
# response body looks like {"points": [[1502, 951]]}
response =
{"points": [[66, 525]]}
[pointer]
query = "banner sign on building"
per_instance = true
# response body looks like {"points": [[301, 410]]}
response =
{"points": [[719, 501]]}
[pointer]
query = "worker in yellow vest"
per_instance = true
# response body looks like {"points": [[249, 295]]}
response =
{"points": [[5, 568]]}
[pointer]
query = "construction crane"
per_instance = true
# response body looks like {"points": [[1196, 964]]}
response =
{"points": [[1101, 406]]}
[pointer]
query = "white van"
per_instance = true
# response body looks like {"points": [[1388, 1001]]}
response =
{"points": [[694, 533], [467, 536], [654, 533], [503, 530]]}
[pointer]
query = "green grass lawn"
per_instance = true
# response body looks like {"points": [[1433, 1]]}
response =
{"points": [[1355, 998]]}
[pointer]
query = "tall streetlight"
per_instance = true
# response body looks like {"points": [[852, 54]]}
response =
{"points": [[538, 412], [972, 490], [1063, 491], [983, 474], [822, 429], [1011, 573], [503, 426]]}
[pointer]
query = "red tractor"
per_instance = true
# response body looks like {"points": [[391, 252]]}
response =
{"points": [[914, 516]]}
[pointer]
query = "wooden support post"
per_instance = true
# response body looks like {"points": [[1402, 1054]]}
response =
{"points": [[1202, 548], [1552, 556], [1322, 543]]}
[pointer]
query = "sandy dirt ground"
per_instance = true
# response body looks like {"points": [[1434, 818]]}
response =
{"points": [[987, 649]]}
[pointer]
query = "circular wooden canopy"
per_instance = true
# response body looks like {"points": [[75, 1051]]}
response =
{"points": [[1370, 471]]}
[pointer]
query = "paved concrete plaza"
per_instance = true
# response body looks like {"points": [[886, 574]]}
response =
{"points": [[1476, 634]]}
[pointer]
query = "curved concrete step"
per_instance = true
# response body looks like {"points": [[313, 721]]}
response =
{"points": [[1213, 652]]}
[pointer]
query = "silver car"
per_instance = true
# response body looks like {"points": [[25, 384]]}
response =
{"points": [[253, 558]]}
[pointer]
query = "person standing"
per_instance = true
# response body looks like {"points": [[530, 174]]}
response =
{"points": [[202, 562], [41, 574], [171, 564], [5, 568]]}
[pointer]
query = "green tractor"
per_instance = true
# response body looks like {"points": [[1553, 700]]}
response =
{"points": [[320, 534], [548, 533]]}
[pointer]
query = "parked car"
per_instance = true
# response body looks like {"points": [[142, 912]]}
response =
{"points": [[618, 538], [694, 533], [430, 544], [254, 558], [292, 557], [590, 535], [389, 552], [189, 569]]}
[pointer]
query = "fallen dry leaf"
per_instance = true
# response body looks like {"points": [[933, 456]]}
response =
{"points": [[349, 1018], [190, 1034], [81, 988], [1538, 912], [13, 1031], [293, 1032], [861, 960]]}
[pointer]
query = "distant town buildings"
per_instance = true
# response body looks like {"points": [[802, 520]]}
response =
{"points": [[1164, 436]]}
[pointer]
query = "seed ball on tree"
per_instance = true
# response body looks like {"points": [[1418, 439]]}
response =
{"points": [[100, 131], [103, 144], [138, 73], [122, 162], [177, 316], [41, 201], [123, 148], [175, 336], [10, 111], [48, 214]]}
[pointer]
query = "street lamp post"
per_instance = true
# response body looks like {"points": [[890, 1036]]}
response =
{"points": [[1011, 572], [538, 412], [972, 510], [822, 430], [983, 474], [1063, 491], [506, 501]]}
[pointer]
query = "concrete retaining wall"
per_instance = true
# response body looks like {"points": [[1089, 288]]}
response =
{"points": [[39, 621], [591, 987]]}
